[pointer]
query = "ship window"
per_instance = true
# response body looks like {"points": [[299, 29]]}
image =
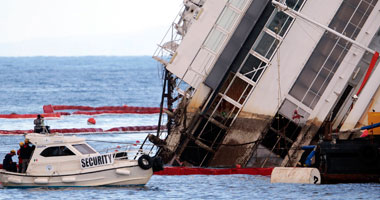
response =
{"points": [[329, 53], [56, 151], [227, 19], [267, 45], [238, 90], [83, 149], [280, 23], [253, 67], [223, 111], [215, 40], [294, 4], [240, 4], [279, 139]]}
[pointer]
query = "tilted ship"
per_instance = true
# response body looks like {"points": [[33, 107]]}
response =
{"points": [[250, 82]]}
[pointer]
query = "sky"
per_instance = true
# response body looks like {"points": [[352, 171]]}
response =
{"points": [[84, 27]]}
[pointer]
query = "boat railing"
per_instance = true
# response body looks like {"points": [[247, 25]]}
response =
{"points": [[127, 152]]}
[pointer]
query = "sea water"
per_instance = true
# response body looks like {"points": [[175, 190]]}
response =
{"points": [[28, 83]]}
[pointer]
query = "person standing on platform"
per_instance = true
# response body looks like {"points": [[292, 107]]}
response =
{"points": [[39, 124]]}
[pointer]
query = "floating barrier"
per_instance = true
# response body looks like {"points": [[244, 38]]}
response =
{"points": [[17, 116], [88, 110], [15, 132], [86, 130], [131, 111], [134, 128], [49, 111], [71, 130], [295, 175], [172, 171], [77, 130], [204, 171]]}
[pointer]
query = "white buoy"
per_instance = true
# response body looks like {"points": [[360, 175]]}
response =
{"points": [[295, 175]]}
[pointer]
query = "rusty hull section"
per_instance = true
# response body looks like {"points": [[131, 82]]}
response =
{"points": [[241, 144], [241, 140]]}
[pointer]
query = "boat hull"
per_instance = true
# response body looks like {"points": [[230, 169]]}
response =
{"points": [[121, 176], [350, 161], [350, 178]]}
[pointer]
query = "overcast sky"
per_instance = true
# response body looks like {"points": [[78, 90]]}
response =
{"points": [[84, 27]]}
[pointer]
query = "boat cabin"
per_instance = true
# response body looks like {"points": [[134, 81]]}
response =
{"points": [[63, 154]]}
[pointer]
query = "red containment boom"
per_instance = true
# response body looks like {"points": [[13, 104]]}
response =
{"points": [[87, 130], [17, 116], [88, 110], [213, 171]]}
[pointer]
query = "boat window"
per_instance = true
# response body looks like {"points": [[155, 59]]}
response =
{"points": [[83, 148], [56, 151]]}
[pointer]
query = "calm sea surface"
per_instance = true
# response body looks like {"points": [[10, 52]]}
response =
{"points": [[26, 84]]}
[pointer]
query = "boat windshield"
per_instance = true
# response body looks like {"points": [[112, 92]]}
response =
{"points": [[56, 151], [83, 148]]}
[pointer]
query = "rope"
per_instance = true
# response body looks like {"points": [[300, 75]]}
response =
{"points": [[242, 144]]}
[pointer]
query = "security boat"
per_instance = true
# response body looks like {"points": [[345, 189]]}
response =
{"points": [[68, 161]]}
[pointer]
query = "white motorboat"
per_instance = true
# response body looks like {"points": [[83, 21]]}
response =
{"points": [[68, 161]]}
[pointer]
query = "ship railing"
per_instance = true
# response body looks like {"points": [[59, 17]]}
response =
{"points": [[169, 43]]}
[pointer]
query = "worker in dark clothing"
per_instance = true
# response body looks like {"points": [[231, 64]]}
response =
{"points": [[8, 163], [24, 158], [25, 154], [19, 157]]}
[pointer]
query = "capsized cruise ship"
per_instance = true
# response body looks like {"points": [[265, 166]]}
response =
{"points": [[249, 82]]}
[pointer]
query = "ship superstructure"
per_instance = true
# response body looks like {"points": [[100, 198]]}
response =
{"points": [[253, 81]]}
